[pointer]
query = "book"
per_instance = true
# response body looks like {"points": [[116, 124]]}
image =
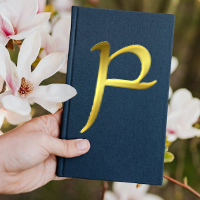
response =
{"points": [[119, 62]]}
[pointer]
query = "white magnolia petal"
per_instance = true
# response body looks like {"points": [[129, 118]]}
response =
{"points": [[53, 92], [28, 13], [16, 104], [171, 137], [63, 5], [1, 83], [8, 70], [14, 118], [1, 118], [5, 25], [151, 197], [19, 12], [3, 39], [47, 67], [191, 113], [62, 27], [170, 92], [109, 196], [52, 107], [62, 44], [188, 133], [45, 28], [129, 190], [28, 54], [39, 20], [48, 43], [3, 95], [63, 69], [180, 98], [174, 64]]}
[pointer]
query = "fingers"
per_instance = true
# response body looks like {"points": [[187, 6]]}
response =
{"points": [[58, 116], [59, 178], [67, 148]]}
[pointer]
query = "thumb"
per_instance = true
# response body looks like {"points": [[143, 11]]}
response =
{"points": [[67, 148]]}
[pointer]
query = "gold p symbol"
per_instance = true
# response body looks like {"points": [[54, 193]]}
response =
{"points": [[102, 80]]}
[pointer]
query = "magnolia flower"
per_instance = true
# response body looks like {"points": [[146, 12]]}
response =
{"points": [[183, 112], [63, 5], [14, 118], [129, 191], [24, 84], [174, 65], [41, 5], [19, 18], [59, 41]]}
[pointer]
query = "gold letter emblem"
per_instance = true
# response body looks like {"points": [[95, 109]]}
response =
{"points": [[102, 80]]}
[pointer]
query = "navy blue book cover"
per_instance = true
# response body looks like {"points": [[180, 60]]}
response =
{"points": [[128, 135]]}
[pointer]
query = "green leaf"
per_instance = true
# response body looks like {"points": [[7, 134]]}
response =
{"points": [[169, 157]]}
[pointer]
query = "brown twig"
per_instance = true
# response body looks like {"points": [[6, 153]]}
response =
{"points": [[104, 188], [182, 185]]}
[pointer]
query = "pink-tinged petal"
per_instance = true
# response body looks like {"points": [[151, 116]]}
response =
{"points": [[15, 119], [5, 25], [28, 54], [1, 133], [179, 99], [41, 5], [191, 113], [20, 12], [53, 92], [47, 67], [48, 43], [12, 77], [52, 107], [151, 197], [8, 70], [188, 133], [62, 27], [174, 64], [110, 196], [38, 21], [3, 39], [16, 105]]}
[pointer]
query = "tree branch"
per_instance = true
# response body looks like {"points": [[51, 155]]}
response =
{"points": [[182, 185]]}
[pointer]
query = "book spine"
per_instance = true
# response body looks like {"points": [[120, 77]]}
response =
{"points": [[65, 115]]}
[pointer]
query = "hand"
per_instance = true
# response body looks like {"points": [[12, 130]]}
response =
{"points": [[27, 154]]}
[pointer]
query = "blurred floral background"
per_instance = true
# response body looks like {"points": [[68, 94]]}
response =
{"points": [[182, 158]]}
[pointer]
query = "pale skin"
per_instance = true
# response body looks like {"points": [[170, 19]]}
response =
{"points": [[27, 154]]}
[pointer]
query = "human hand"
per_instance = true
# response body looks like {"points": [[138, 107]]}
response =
{"points": [[27, 154]]}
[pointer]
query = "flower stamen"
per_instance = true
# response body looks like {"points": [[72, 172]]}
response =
{"points": [[25, 88]]}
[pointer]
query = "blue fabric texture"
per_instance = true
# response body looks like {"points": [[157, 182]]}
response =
{"points": [[128, 137]]}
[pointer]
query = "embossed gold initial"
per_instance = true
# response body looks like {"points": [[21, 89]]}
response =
{"points": [[102, 80]]}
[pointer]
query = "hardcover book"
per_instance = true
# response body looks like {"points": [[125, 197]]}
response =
{"points": [[119, 62]]}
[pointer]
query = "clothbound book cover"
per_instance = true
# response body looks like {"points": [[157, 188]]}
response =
{"points": [[119, 62]]}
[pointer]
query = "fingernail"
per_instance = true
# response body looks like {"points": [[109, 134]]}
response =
{"points": [[81, 145]]}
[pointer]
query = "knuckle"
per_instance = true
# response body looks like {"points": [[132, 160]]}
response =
{"points": [[66, 146]]}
